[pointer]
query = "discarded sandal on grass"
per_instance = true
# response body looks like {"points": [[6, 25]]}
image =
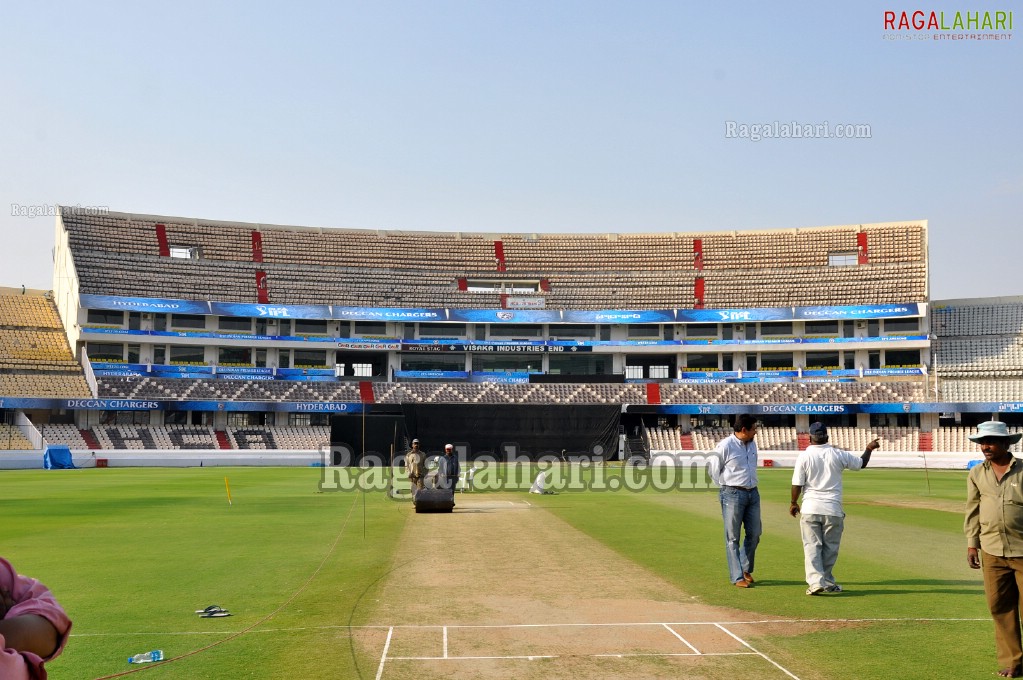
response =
{"points": [[212, 611]]}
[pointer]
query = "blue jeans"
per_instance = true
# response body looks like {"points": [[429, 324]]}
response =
{"points": [[740, 509]]}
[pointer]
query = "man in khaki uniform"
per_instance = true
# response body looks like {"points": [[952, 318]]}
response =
{"points": [[415, 465], [994, 537]]}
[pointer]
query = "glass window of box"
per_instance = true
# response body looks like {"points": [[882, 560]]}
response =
{"points": [[310, 327], [701, 362], [310, 358], [234, 356], [902, 357], [104, 351], [644, 331], [900, 326], [579, 364], [432, 362], [776, 360], [308, 419], [365, 329], [572, 331], [507, 363], [159, 354], [821, 328], [134, 352], [188, 321], [526, 332], [822, 360], [442, 330], [105, 317], [187, 355], [235, 324], [776, 328], [701, 330], [160, 322]]}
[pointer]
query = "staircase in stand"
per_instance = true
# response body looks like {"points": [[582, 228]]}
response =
{"points": [[687, 442], [222, 440], [803, 439], [90, 440], [926, 441]]}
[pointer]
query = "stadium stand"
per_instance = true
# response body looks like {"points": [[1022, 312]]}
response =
{"points": [[35, 358], [751, 269], [11, 438]]}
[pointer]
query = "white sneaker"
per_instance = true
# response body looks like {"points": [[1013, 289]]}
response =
{"points": [[815, 590]]}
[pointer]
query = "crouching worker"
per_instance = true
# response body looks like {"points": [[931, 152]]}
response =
{"points": [[33, 626]]}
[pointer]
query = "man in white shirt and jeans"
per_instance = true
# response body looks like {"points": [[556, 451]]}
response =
{"points": [[734, 469], [818, 476]]}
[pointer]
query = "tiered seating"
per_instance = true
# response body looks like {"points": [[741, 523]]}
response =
{"points": [[68, 435], [792, 393], [853, 439], [26, 311], [954, 440], [964, 390], [35, 359], [665, 438], [173, 389], [302, 438], [11, 439], [153, 437], [585, 271], [1002, 318], [981, 355]]}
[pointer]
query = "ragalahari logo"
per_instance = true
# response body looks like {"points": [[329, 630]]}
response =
{"points": [[942, 25]]}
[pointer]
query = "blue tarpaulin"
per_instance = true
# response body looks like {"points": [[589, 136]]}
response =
{"points": [[58, 458]]}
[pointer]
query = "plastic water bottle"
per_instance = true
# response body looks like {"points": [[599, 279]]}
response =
{"points": [[146, 657]]}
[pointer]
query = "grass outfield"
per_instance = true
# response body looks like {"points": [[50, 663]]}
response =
{"points": [[131, 553]]}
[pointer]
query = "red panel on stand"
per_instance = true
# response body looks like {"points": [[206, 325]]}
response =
{"points": [[861, 247], [257, 246], [653, 393], [161, 238], [366, 392], [463, 284], [499, 255], [262, 291], [698, 293], [698, 253]]}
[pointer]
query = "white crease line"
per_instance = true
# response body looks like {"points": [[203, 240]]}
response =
{"points": [[470, 658], [383, 657], [445, 642], [766, 658], [684, 641]]}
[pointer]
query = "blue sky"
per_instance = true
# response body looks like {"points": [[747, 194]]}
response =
{"points": [[510, 117]]}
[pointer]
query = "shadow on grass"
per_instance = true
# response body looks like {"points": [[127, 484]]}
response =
{"points": [[911, 587]]}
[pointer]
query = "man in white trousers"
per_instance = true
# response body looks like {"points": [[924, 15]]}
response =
{"points": [[818, 476]]}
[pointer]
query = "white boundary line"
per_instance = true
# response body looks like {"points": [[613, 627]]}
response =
{"points": [[383, 657], [766, 658], [539, 625]]}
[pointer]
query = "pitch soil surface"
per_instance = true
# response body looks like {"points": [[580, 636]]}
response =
{"points": [[504, 589]]}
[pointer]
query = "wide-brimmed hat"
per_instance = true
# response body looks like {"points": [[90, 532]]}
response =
{"points": [[994, 428]]}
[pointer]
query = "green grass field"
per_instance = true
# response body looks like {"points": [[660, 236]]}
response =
{"points": [[131, 553]]}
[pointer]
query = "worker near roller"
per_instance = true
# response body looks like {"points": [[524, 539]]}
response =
{"points": [[415, 465], [449, 468]]}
